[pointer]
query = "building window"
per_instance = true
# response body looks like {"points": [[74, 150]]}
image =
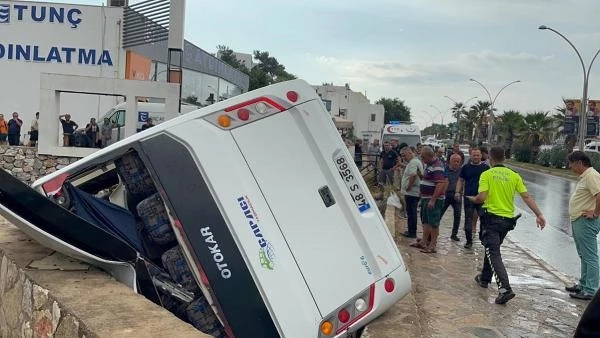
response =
{"points": [[373, 117], [327, 104]]}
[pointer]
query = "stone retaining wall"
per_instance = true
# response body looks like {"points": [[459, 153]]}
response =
{"points": [[27, 165], [29, 310]]}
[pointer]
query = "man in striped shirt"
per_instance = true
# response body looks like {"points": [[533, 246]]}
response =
{"points": [[433, 189]]}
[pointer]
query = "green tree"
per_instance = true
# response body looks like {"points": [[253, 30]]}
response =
{"points": [[559, 120], [471, 121], [560, 114], [395, 109], [481, 110], [537, 131], [458, 110], [439, 130], [510, 124], [226, 55], [268, 71]]}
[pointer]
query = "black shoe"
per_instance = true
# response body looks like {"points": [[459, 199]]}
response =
{"points": [[455, 238], [581, 295], [409, 235], [575, 288], [469, 246], [480, 283], [504, 297]]}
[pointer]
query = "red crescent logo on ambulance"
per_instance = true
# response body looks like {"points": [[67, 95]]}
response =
{"points": [[389, 129]]}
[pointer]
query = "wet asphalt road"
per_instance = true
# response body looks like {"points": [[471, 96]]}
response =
{"points": [[555, 243]]}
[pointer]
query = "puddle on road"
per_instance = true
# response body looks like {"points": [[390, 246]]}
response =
{"points": [[532, 280]]}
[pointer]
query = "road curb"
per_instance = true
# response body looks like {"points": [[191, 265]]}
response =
{"points": [[541, 170], [562, 277]]}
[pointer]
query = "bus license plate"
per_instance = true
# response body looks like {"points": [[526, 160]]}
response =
{"points": [[356, 192]]}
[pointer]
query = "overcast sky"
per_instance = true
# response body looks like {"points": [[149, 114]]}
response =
{"points": [[416, 50]]}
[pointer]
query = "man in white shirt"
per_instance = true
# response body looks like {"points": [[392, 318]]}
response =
{"points": [[34, 133], [410, 189], [584, 210]]}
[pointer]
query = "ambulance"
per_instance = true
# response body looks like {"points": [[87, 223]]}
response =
{"points": [[247, 218], [404, 132]]}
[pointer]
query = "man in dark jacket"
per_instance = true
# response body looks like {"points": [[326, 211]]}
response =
{"points": [[14, 130]]}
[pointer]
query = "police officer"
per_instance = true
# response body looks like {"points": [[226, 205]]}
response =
{"points": [[497, 187]]}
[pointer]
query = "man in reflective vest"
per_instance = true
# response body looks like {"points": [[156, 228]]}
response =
{"points": [[497, 187]]}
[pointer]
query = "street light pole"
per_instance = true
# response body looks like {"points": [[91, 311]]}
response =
{"points": [[464, 104], [586, 77], [492, 102], [439, 111], [430, 116]]}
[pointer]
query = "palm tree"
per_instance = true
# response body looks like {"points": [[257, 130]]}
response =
{"points": [[559, 121], [458, 110], [482, 109], [471, 118], [560, 115], [510, 125], [537, 131]]}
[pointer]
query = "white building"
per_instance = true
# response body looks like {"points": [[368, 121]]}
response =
{"points": [[342, 102], [245, 58], [69, 39], [41, 37]]}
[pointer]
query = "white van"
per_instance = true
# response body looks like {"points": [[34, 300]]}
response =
{"points": [[252, 205], [404, 132], [145, 110]]}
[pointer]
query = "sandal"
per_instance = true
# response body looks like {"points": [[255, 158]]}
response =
{"points": [[428, 250], [417, 245]]}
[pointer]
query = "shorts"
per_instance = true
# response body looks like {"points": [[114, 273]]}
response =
{"points": [[3, 137], [432, 216]]}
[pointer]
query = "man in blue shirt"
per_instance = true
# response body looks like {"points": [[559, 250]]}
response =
{"points": [[388, 161], [14, 130]]}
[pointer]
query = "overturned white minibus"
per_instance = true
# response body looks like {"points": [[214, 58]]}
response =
{"points": [[247, 218]]}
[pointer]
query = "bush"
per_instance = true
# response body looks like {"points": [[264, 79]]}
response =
{"points": [[555, 157], [544, 158], [522, 152], [558, 157], [595, 158]]}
